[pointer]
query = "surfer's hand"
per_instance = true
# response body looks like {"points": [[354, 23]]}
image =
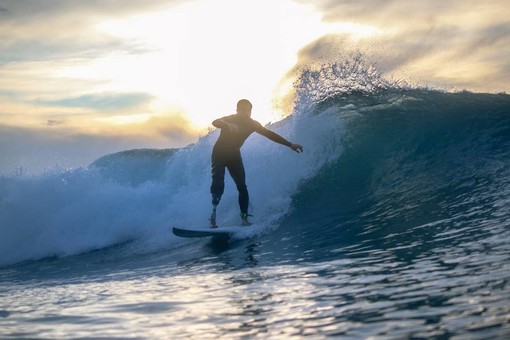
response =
{"points": [[296, 147]]}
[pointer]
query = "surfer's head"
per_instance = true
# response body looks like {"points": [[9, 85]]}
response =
{"points": [[244, 107]]}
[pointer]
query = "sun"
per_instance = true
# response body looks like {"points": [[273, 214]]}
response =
{"points": [[203, 56]]}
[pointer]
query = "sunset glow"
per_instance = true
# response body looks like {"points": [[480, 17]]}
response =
{"points": [[202, 63], [114, 70]]}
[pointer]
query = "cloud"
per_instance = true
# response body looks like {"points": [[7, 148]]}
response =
{"points": [[53, 122], [451, 44], [104, 102], [85, 111], [36, 30], [31, 8], [56, 65]]}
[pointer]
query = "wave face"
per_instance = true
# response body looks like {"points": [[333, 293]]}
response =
{"points": [[419, 171], [389, 165]]}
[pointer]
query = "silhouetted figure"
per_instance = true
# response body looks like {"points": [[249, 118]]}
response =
{"points": [[235, 129]]}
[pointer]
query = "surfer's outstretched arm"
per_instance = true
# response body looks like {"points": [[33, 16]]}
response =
{"points": [[278, 139]]}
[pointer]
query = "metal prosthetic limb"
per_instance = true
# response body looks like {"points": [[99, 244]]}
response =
{"points": [[212, 219]]}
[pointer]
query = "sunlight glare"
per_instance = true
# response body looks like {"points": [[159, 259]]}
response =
{"points": [[203, 56]]}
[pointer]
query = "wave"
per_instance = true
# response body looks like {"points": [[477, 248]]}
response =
{"points": [[140, 195], [134, 167], [391, 152]]}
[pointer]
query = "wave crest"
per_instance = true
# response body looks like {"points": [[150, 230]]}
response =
{"points": [[353, 75]]}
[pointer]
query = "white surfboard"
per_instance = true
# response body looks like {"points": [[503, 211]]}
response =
{"points": [[208, 232]]}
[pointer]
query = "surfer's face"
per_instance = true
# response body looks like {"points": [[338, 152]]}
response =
{"points": [[245, 112], [244, 108]]}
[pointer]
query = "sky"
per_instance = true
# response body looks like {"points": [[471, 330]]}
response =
{"points": [[80, 78]]}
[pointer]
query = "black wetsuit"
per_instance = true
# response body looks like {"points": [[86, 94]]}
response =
{"points": [[227, 154]]}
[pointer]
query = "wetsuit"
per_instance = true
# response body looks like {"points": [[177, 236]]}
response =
{"points": [[227, 154]]}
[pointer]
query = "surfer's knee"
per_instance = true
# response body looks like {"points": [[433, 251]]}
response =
{"points": [[243, 189]]}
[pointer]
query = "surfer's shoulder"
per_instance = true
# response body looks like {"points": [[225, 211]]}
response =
{"points": [[256, 125]]}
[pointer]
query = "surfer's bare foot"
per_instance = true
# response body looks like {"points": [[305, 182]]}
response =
{"points": [[212, 224]]}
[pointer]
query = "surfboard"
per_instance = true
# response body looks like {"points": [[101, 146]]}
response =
{"points": [[207, 232]]}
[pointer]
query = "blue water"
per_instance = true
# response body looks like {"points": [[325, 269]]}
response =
{"points": [[394, 223]]}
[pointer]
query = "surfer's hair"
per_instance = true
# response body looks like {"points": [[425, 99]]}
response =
{"points": [[244, 104]]}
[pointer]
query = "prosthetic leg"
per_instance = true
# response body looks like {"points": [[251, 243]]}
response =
{"points": [[212, 219]]}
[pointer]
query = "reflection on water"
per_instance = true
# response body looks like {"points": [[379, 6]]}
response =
{"points": [[363, 292]]}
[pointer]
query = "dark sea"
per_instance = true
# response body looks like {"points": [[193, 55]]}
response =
{"points": [[393, 224]]}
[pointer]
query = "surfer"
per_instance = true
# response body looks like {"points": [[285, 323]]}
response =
{"points": [[235, 129]]}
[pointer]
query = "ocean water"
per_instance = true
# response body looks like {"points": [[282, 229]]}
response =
{"points": [[394, 223]]}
